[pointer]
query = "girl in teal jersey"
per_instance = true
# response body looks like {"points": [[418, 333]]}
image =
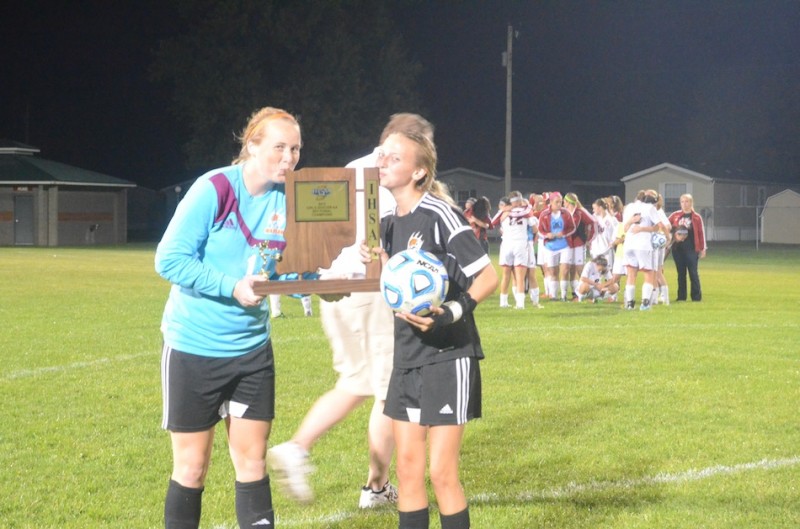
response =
{"points": [[217, 360]]}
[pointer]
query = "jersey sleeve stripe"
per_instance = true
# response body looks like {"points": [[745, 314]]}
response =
{"points": [[458, 230], [443, 210], [476, 266]]}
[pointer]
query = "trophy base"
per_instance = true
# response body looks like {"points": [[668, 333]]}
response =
{"points": [[317, 286]]}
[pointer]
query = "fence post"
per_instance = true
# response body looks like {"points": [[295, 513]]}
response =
{"points": [[758, 228]]}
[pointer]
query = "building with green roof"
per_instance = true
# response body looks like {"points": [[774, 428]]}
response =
{"points": [[48, 203]]}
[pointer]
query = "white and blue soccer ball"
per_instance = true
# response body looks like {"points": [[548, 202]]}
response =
{"points": [[414, 281], [658, 240]]}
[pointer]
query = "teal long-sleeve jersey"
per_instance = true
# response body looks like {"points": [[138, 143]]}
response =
{"points": [[211, 243]]}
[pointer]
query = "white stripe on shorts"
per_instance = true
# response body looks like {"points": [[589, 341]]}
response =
{"points": [[165, 358], [462, 389]]}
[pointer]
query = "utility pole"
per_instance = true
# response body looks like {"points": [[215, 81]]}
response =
{"points": [[509, 72]]}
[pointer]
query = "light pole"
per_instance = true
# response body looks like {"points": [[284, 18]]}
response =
{"points": [[507, 57]]}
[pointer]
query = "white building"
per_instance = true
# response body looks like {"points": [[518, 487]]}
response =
{"points": [[780, 219]]}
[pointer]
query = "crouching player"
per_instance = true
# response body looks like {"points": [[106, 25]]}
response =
{"points": [[596, 282]]}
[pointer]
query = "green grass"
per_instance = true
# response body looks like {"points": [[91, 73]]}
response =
{"points": [[594, 417]]}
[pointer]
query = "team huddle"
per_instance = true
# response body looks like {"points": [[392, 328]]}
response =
{"points": [[583, 255]]}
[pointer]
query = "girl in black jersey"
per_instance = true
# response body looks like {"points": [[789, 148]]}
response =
{"points": [[435, 384]]}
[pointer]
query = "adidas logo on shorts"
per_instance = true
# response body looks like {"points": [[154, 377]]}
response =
{"points": [[446, 410]]}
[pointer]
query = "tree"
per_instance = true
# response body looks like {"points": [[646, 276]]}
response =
{"points": [[341, 66]]}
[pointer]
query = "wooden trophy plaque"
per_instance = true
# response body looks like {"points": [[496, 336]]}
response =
{"points": [[322, 210]]}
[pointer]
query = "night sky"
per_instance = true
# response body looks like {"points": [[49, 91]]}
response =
{"points": [[600, 89]]}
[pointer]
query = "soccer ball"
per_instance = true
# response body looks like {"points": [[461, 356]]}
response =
{"points": [[414, 281], [658, 240]]}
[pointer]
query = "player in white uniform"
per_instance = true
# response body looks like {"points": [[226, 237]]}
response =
{"points": [[661, 292], [606, 230], [604, 242], [596, 282], [533, 284], [513, 257], [640, 220], [276, 308]]}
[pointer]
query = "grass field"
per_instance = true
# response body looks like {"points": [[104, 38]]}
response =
{"points": [[685, 416]]}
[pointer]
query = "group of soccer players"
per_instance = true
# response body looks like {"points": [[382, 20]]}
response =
{"points": [[582, 255]]}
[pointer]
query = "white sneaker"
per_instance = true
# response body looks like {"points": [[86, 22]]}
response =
{"points": [[290, 467], [371, 499]]}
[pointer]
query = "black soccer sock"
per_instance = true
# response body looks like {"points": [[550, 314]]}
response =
{"points": [[182, 506], [254, 504], [414, 519], [459, 520]]}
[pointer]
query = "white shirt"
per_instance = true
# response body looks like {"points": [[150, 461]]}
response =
{"points": [[606, 230], [515, 228], [594, 276], [348, 263], [649, 213]]}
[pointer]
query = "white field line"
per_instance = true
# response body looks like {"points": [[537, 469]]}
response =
{"points": [[40, 371], [573, 489], [660, 325]]}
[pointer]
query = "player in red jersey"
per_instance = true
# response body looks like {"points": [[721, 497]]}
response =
{"points": [[555, 225], [585, 231]]}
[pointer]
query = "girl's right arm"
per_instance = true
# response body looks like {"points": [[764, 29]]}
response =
{"points": [[484, 284], [177, 256]]}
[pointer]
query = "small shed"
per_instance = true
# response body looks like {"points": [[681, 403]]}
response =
{"points": [[48, 203], [780, 218]]}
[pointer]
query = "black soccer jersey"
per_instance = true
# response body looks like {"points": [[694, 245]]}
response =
{"points": [[437, 227]]}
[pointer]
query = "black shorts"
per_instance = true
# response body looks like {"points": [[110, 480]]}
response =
{"points": [[198, 391], [436, 394]]}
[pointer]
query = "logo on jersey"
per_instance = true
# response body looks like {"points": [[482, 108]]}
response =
{"points": [[229, 224], [276, 224], [415, 241]]}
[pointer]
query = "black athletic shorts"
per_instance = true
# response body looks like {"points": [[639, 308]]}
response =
{"points": [[198, 391], [436, 394]]}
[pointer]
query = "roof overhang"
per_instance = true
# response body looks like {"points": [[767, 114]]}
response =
{"points": [[671, 167]]}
